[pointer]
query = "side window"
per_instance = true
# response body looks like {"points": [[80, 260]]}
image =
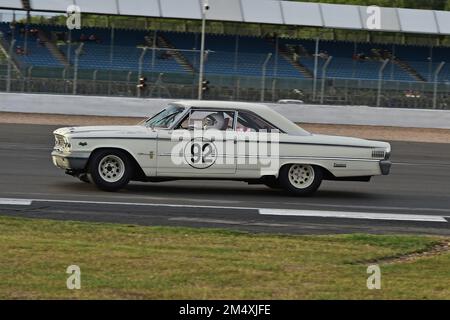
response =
{"points": [[206, 119], [250, 122]]}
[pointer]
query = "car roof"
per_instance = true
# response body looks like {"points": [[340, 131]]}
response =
{"points": [[223, 105], [261, 110]]}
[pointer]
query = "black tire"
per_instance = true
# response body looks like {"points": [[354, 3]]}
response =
{"points": [[312, 180], [112, 161]]}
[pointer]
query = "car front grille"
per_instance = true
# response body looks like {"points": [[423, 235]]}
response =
{"points": [[379, 154]]}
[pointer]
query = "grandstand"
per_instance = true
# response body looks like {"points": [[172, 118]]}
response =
{"points": [[409, 63], [46, 50]]}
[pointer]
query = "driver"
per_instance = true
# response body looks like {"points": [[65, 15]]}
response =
{"points": [[215, 121]]}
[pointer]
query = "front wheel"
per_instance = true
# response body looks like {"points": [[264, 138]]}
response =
{"points": [[110, 170], [301, 179]]}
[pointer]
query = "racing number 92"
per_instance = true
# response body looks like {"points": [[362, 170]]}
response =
{"points": [[201, 154]]}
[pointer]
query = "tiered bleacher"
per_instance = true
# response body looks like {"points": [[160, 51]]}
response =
{"points": [[228, 55], [37, 53]]}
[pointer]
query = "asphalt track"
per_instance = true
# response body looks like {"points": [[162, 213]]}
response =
{"points": [[415, 198]]}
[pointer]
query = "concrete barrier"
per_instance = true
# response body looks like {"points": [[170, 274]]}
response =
{"points": [[133, 107]]}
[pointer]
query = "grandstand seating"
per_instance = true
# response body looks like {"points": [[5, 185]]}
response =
{"points": [[419, 59], [412, 63], [343, 65], [252, 52], [126, 51], [36, 55]]}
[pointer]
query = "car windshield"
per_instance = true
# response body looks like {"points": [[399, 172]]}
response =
{"points": [[165, 118]]}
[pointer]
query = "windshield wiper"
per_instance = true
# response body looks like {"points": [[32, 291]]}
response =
{"points": [[163, 119]]}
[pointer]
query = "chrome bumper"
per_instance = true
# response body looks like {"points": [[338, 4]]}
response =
{"points": [[385, 167], [73, 161]]}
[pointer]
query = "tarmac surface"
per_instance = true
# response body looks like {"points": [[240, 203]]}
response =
{"points": [[414, 199]]}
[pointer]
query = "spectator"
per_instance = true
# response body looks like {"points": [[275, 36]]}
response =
{"points": [[324, 55], [300, 50], [94, 38], [34, 32], [40, 42], [165, 55], [360, 57], [19, 50], [148, 41]]}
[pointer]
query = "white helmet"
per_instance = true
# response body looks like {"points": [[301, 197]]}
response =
{"points": [[215, 121]]}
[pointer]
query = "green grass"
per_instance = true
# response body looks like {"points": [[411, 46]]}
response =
{"points": [[119, 261]]}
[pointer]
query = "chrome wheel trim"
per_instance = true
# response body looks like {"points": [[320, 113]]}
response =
{"points": [[111, 168], [301, 176]]}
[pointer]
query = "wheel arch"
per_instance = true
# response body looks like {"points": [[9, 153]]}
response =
{"points": [[327, 174], [138, 171]]}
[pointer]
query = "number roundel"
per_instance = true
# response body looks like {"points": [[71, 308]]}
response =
{"points": [[200, 154]]}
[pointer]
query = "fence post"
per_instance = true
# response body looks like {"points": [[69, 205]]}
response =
{"points": [[8, 76], [128, 82], [141, 60], [29, 74], [316, 65], [64, 77], [380, 81], [204, 8], [274, 86], [94, 82], [75, 72], [324, 78], [263, 79], [111, 59], [436, 75], [63, 74], [154, 43]]}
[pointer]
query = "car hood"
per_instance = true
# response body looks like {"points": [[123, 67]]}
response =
{"points": [[98, 130]]}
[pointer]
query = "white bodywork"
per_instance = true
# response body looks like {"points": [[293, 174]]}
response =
{"points": [[342, 157]]}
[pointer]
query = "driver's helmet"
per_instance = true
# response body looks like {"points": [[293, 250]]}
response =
{"points": [[215, 121]]}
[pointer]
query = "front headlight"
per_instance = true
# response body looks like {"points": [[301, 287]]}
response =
{"points": [[62, 142]]}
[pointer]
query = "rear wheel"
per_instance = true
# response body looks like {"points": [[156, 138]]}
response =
{"points": [[110, 170], [301, 179]]}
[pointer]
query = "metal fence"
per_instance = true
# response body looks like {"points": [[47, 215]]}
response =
{"points": [[70, 80]]}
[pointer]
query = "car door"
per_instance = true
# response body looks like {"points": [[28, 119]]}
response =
{"points": [[201, 145], [256, 146]]}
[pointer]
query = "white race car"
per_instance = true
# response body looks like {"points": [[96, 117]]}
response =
{"points": [[216, 141]]}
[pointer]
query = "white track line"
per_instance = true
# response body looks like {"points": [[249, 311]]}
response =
{"points": [[15, 202], [274, 212], [352, 215], [138, 204]]}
